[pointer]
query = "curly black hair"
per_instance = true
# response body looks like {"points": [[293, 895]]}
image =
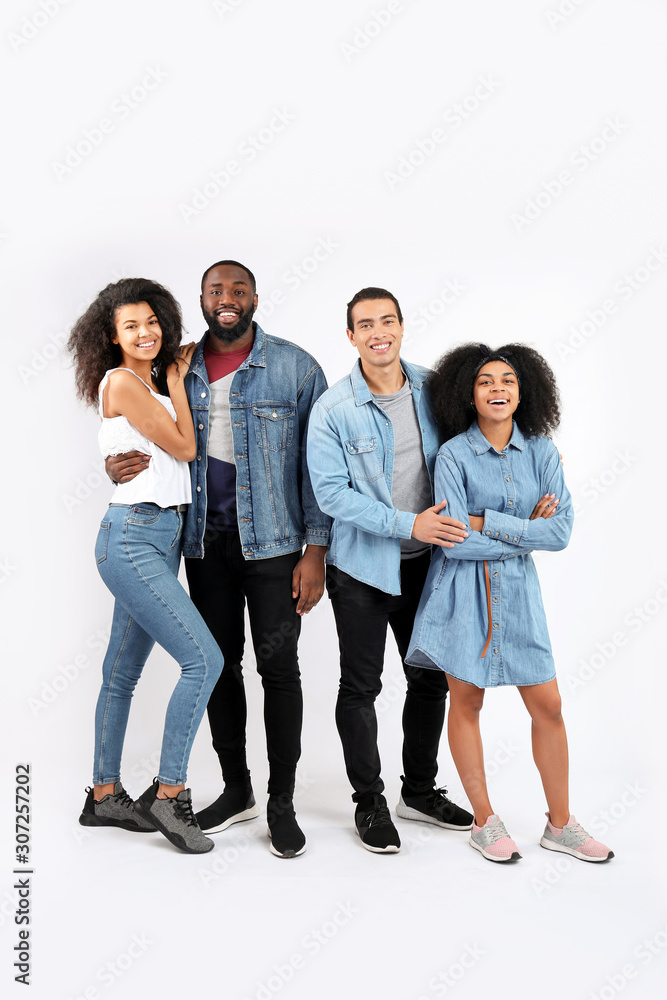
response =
{"points": [[452, 379], [90, 339]]}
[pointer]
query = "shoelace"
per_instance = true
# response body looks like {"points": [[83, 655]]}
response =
{"points": [[183, 810], [376, 817], [578, 831], [124, 799], [496, 831], [438, 797]]}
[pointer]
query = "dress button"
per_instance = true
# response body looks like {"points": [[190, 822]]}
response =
{"points": [[510, 502], [507, 479], [506, 536], [496, 573], [497, 533], [488, 532], [495, 600], [495, 624], [516, 538], [495, 651]]}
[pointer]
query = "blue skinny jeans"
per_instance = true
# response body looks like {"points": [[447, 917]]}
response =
{"points": [[138, 552]]}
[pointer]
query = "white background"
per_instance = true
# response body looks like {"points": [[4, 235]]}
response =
{"points": [[519, 94]]}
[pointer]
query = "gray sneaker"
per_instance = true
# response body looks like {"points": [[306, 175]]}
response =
{"points": [[493, 841], [114, 810], [175, 819]]}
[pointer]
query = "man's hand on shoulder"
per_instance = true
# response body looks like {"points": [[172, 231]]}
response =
{"points": [[430, 527]]}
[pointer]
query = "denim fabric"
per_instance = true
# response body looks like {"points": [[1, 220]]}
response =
{"points": [[224, 579], [351, 464], [452, 624], [138, 554], [270, 399]]}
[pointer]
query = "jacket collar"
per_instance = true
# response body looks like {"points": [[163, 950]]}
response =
{"points": [[362, 394], [481, 445]]}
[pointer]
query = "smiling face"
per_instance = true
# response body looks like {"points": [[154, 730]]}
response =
{"points": [[138, 333], [377, 332], [495, 392], [228, 301]]}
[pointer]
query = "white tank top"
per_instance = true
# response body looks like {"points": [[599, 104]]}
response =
{"points": [[166, 481]]}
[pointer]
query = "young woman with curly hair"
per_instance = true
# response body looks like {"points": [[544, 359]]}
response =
{"points": [[481, 618], [125, 349]]}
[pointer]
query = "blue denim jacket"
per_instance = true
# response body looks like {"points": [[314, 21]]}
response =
{"points": [[481, 617], [351, 463], [270, 398]]}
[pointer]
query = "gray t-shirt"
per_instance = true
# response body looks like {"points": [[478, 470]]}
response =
{"points": [[411, 487]]}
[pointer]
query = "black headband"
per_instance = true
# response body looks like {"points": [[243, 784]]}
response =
{"points": [[489, 355]]}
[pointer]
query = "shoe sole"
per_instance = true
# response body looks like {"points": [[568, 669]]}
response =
{"points": [[241, 817], [407, 812], [173, 838], [288, 853], [86, 820], [550, 846], [489, 857], [390, 849]]}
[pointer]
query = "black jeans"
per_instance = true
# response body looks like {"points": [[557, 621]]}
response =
{"points": [[220, 584], [362, 614]]}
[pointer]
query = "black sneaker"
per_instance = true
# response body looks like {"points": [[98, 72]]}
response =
{"points": [[175, 819], [114, 810], [235, 805], [374, 826], [287, 838], [433, 807]]}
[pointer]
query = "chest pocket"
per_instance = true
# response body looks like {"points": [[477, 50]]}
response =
{"points": [[274, 425], [363, 458]]}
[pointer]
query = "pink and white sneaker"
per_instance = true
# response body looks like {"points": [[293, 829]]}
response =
{"points": [[493, 841], [574, 840]]}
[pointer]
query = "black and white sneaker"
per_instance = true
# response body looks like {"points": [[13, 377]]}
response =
{"points": [[175, 819], [374, 826], [114, 810], [287, 838], [235, 805], [433, 807]]}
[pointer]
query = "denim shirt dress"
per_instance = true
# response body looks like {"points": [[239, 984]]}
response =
{"points": [[481, 616]]}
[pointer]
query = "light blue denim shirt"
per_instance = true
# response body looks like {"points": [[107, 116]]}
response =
{"points": [[462, 607], [351, 463], [270, 399]]}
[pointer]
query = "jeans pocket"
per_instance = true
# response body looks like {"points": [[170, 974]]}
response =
{"points": [[102, 542], [144, 514]]}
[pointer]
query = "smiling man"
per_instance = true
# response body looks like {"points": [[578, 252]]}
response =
{"points": [[372, 444], [252, 512]]}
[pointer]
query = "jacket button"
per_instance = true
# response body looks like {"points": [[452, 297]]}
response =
{"points": [[203, 395], [199, 458], [199, 489], [199, 520], [201, 427]]}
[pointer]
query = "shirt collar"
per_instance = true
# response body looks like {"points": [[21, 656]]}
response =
{"points": [[257, 354], [362, 394], [481, 445]]}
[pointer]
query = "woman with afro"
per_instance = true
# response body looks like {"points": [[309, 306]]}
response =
{"points": [[481, 618], [125, 349]]}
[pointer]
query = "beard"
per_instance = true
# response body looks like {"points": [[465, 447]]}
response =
{"points": [[229, 334]]}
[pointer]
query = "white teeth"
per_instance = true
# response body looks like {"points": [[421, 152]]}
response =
{"points": [[379, 347]]}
